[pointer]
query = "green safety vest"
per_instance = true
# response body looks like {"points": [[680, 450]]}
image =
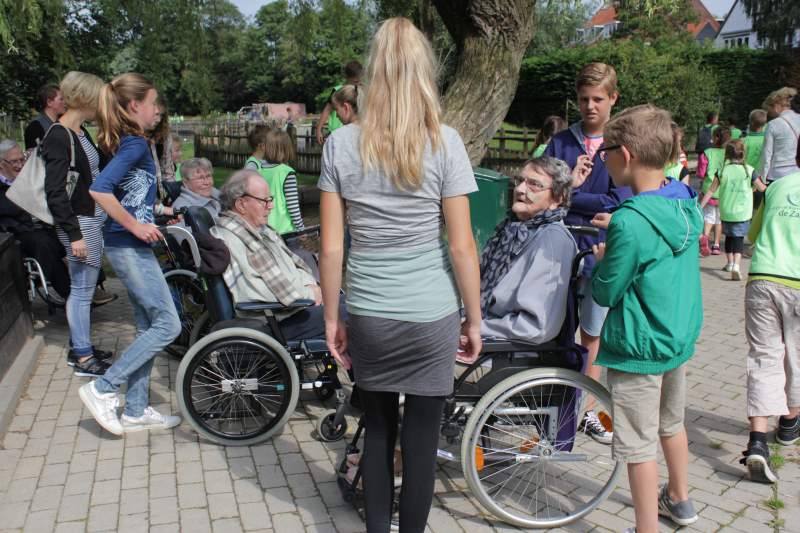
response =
{"points": [[178, 176], [334, 122], [716, 159], [673, 171], [275, 176], [735, 193], [753, 146], [776, 256], [736, 133]]}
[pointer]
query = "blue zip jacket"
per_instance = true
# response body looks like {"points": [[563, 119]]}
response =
{"points": [[597, 194]]}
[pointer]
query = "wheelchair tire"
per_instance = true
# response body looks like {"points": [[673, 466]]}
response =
{"points": [[200, 328], [189, 298], [552, 476], [220, 382], [326, 430]]}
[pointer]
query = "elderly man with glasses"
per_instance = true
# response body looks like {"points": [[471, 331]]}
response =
{"points": [[198, 187], [262, 267]]}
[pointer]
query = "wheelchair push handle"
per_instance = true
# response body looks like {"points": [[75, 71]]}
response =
{"points": [[299, 233], [591, 231]]}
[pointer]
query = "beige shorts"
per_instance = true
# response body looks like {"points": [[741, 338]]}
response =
{"points": [[646, 407], [772, 325]]}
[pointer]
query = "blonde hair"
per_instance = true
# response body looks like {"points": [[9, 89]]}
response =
{"points": [[278, 146], [81, 90], [597, 74], [758, 117], [112, 113], [348, 94], [782, 96], [401, 111], [646, 131]]}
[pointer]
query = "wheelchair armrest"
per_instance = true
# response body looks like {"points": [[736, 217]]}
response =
{"points": [[272, 306], [307, 231], [493, 345]]}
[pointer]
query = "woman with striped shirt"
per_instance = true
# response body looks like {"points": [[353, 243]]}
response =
{"points": [[78, 219]]}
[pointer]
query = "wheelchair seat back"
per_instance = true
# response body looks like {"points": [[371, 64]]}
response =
{"points": [[218, 299]]}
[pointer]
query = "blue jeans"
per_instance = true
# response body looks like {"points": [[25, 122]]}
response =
{"points": [[83, 279], [157, 325]]}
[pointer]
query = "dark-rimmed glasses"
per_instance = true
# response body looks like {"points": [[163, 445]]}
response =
{"points": [[603, 151], [533, 184], [268, 200]]}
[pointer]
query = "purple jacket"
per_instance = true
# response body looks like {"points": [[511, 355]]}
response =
{"points": [[597, 194]]}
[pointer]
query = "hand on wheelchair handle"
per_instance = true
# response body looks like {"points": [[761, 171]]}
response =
{"points": [[599, 250], [147, 232], [336, 337], [601, 220], [470, 343]]}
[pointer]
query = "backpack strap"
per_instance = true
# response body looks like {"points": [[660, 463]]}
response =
{"points": [[71, 143], [786, 120]]}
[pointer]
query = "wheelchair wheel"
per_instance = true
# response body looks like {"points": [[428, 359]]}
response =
{"points": [[190, 303], [523, 457], [237, 386], [327, 431], [200, 328]]}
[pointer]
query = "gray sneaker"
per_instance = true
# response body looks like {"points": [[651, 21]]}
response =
{"points": [[150, 419], [682, 513]]}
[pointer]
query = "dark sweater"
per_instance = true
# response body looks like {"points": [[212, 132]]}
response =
{"points": [[56, 153], [12, 217]]}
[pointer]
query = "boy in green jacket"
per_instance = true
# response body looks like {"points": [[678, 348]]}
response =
{"points": [[648, 274]]}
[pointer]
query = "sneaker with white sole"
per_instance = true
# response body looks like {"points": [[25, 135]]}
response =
{"points": [[592, 426], [102, 406], [682, 513], [756, 459], [728, 267], [150, 419], [736, 274]]}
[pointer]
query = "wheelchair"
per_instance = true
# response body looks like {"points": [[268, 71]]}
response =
{"points": [[238, 385], [515, 431], [39, 286]]}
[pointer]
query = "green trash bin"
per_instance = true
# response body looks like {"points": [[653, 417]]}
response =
{"points": [[487, 206]]}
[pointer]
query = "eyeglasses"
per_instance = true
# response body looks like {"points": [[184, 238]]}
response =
{"points": [[204, 177], [534, 185], [603, 151], [268, 200], [18, 161]]}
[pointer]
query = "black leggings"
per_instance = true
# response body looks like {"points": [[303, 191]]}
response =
{"points": [[734, 245], [419, 438]]}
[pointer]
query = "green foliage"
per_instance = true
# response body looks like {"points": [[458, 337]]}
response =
{"points": [[680, 75], [558, 23], [653, 19], [775, 21]]}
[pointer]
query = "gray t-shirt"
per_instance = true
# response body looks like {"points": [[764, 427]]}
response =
{"points": [[382, 217]]}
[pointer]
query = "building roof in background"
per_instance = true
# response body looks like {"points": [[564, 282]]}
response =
{"points": [[608, 14]]}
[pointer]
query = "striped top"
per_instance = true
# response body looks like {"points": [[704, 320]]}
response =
{"points": [[91, 227]]}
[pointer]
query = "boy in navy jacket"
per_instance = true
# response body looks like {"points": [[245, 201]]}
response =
{"points": [[593, 192]]}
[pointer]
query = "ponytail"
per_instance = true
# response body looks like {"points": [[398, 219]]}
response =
{"points": [[112, 113], [677, 134]]}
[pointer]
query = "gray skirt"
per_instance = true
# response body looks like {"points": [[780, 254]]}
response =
{"points": [[408, 357]]}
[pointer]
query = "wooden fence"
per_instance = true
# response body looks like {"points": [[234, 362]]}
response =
{"points": [[229, 149]]}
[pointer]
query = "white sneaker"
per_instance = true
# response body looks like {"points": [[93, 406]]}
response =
{"points": [[592, 426], [150, 419], [728, 267], [103, 407], [736, 274]]}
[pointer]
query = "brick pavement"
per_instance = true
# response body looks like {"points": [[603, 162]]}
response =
{"points": [[59, 472]]}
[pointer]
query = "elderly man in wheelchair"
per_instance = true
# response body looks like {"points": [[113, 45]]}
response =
{"points": [[239, 384], [513, 418]]}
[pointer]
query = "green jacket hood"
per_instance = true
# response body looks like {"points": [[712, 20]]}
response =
{"points": [[679, 221]]}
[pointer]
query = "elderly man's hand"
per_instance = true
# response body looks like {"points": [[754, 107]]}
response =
{"points": [[601, 220], [583, 167], [317, 294]]}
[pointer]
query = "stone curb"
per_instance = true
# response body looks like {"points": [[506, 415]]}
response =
{"points": [[16, 379]]}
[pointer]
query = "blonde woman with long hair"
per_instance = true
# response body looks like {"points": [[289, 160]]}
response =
{"points": [[401, 176], [126, 190]]}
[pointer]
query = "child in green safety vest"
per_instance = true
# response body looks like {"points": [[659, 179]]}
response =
{"points": [[736, 133], [552, 125], [352, 73], [709, 163], [754, 141], [734, 185], [272, 149], [677, 166]]}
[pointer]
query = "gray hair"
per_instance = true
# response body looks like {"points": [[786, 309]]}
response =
{"points": [[236, 187], [6, 145], [190, 165], [559, 172]]}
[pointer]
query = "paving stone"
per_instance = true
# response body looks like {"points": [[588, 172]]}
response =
{"points": [[103, 517], [108, 469], [36, 447], [135, 477], [241, 467], [214, 459], [54, 474], [195, 520], [279, 500], [164, 510], [138, 456], [222, 506], [47, 498], [192, 495], [133, 523], [162, 463], [190, 472], [73, 508], [254, 515], [293, 463], [166, 528], [106, 492], [29, 467], [41, 521], [218, 481], [312, 510], [270, 476], [226, 525], [20, 490], [133, 501], [80, 483], [13, 514], [301, 485]]}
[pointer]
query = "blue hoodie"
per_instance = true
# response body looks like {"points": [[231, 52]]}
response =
{"points": [[597, 194]]}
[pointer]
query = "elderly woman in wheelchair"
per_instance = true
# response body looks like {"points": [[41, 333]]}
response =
{"points": [[512, 420]]}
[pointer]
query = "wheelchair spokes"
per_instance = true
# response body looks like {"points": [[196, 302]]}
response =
{"points": [[523, 456], [238, 389]]}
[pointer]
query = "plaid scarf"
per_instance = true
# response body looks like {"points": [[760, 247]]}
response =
{"points": [[509, 239], [261, 247]]}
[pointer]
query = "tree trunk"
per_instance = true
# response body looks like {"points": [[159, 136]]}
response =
{"points": [[491, 37]]}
